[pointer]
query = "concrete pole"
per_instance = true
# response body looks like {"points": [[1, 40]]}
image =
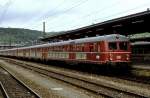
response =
{"points": [[44, 34]]}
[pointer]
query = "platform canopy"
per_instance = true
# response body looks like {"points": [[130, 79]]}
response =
{"points": [[127, 25], [140, 37]]}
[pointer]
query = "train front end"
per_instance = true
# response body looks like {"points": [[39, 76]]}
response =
{"points": [[118, 51]]}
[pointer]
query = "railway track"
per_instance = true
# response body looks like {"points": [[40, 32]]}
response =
{"points": [[140, 74], [139, 79], [3, 93], [12, 87], [90, 84], [144, 67]]}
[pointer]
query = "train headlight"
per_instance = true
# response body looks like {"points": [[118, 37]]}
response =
{"points": [[110, 57], [127, 56], [97, 56]]}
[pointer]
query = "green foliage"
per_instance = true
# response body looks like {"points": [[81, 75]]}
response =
{"points": [[16, 35]]}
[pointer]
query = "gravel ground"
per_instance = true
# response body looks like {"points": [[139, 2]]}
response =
{"points": [[13, 88], [47, 87], [109, 81]]}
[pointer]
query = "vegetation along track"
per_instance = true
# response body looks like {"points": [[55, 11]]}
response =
{"points": [[91, 84], [11, 87]]}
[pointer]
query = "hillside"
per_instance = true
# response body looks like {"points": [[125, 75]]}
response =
{"points": [[16, 35]]}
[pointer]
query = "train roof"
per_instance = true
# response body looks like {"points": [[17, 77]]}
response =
{"points": [[109, 38]]}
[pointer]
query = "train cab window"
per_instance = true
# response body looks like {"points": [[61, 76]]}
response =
{"points": [[112, 45], [123, 46]]}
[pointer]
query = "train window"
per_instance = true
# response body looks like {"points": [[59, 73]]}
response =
{"points": [[91, 48], [95, 47], [67, 48], [112, 45], [123, 45], [80, 48], [63, 48]]}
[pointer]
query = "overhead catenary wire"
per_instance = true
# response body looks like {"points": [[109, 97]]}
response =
{"points": [[66, 10], [45, 14], [94, 20], [112, 15], [129, 10], [71, 8], [95, 12], [51, 11]]}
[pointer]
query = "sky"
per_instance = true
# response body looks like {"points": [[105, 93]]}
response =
{"points": [[63, 15]]}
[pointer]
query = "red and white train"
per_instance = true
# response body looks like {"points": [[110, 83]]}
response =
{"points": [[108, 49]]}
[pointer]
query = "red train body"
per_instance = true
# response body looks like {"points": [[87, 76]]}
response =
{"points": [[107, 49]]}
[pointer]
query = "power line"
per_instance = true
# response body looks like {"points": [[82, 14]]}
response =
{"points": [[53, 14], [124, 11], [67, 10], [101, 10], [120, 12], [51, 10], [45, 14]]}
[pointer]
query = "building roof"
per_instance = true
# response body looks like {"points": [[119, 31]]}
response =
{"points": [[131, 24]]}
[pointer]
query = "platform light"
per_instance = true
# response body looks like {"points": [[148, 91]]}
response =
{"points": [[138, 21], [88, 31], [100, 29], [97, 34], [119, 25], [77, 34]]}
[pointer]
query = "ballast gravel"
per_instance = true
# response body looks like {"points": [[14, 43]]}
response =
{"points": [[44, 86]]}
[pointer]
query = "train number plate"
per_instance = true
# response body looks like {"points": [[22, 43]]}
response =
{"points": [[119, 57]]}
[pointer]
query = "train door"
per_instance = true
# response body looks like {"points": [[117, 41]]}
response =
{"points": [[71, 52], [24, 52], [38, 53], [44, 53], [93, 50]]}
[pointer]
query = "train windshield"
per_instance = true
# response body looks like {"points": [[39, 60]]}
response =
{"points": [[123, 46], [112, 46], [118, 45]]}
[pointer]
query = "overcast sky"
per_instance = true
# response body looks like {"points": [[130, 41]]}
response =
{"points": [[61, 15]]}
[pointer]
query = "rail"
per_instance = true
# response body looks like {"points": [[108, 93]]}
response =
{"points": [[84, 83], [5, 95], [20, 82]]}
